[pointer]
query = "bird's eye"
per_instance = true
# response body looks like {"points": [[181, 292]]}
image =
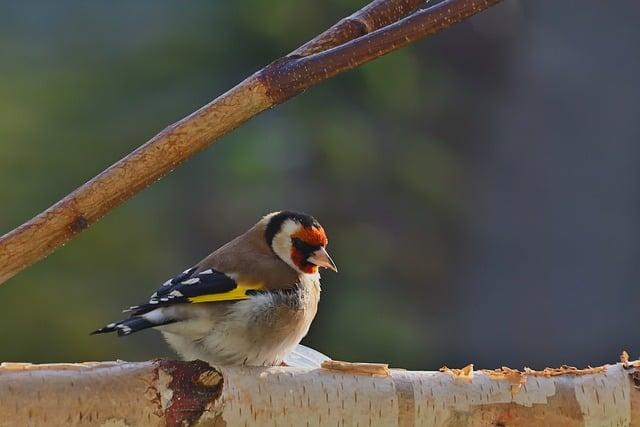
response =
{"points": [[303, 246]]}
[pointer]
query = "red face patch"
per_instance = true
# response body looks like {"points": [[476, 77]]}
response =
{"points": [[313, 236], [298, 259]]}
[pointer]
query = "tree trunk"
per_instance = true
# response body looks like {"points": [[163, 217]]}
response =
{"points": [[170, 393]]}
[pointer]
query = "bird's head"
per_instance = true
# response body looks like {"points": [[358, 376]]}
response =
{"points": [[299, 240]]}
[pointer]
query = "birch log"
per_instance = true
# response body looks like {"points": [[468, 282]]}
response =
{"points": [[170, 393]]}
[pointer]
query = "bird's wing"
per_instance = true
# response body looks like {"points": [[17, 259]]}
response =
{"points": [[193, 286]]}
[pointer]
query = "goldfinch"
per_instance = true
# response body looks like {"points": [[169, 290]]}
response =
{"points": [[248, 303]]}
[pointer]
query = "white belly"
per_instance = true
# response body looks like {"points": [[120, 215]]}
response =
{"points": [[259, 331]]}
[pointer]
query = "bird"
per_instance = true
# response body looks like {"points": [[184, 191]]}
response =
{"points": [[250, 302]]}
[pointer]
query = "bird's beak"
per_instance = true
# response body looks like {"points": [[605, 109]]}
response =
{"points": [[322, 259]]}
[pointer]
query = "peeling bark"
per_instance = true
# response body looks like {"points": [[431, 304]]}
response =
{"points": [[170, 393]]}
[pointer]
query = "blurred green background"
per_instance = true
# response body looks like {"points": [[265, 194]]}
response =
{"points": [[479, 188]]}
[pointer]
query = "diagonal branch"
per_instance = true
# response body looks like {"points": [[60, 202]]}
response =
{"points": [[376, 14], [290, 76], [270, 86]]}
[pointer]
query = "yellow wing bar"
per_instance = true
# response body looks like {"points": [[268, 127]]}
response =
{"points": [[238, 293]]}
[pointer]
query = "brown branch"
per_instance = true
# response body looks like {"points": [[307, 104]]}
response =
{"points": [[290, 76], [170, 393], [376, 14], [272, 85]]}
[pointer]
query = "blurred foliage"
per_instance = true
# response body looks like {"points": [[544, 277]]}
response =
{"points": [[85, 83]]}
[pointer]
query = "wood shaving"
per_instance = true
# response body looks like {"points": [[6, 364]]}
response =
{"points": [[565, 370], [624, 357], [519, 378], [376, 369], [25, 366], [507, 374], [465, 373]]}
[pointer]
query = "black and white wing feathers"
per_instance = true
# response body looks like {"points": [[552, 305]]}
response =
{"points": [[185, 286], [189, 287]]}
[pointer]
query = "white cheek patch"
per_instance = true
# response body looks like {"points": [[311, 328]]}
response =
{"points": [[281, 243]]}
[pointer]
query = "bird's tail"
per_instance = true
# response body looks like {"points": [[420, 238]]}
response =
{"points": [[132, 324]]}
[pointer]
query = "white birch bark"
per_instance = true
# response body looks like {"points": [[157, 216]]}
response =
{"points": [[161, 393]]}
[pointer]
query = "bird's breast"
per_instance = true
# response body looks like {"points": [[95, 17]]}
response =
{"points": [[275, 322], [290, 306], [260, 330]]}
